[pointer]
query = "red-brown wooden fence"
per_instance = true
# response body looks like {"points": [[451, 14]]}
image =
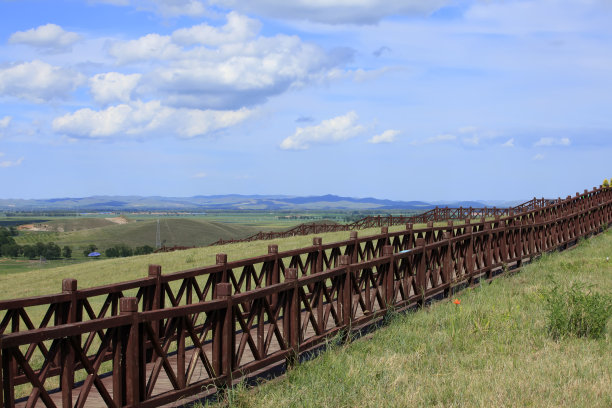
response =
{"points": [[193, 331], [434, 215]]}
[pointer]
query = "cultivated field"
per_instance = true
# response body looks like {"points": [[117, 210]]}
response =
{"points": [[94, 272]]}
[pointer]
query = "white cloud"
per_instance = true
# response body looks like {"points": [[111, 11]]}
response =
{"points": [[50, 37], [113, 87], [361, 75], [146, 119], [538, 156], [5, 121], [388, 136], [204, 67], [166, 8], [552, 141], [334, 11], [38, 81], [332, 130], [199, 175], [148, 47], [468, 129], [9, 163], [509, 143], [447, 137], [473, 140], [238, 28]]}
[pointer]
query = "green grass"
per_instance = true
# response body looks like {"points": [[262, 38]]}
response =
{"points": [[493, 349], [95, 272], [20, 265]]}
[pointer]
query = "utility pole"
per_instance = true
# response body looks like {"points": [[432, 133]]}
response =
{"points": [[158, 236]]}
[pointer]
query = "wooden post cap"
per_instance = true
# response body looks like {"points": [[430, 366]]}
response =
{"points": [[221, 259], [155, 270], [69, 285]]}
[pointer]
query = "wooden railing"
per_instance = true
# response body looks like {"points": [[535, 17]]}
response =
{"points": [[154, 340], [436, 214]]}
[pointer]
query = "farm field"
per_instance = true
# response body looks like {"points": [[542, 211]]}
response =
{"points": [[139, 229], [94, 272], [492, 349]]}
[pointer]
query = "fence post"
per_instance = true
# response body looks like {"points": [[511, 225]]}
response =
{"points": [[518, 242], [446, 266], [129, 306], [469, 253], [2, 388], [421, 271], [382, 242], [389, 278], [273, 277], [429, 232], [223, 337], [221, 277], [346, 291], [317, 266], [67, 315], [155, 301], [409, 239], [353, 235], [488, 252], [291, 317]]}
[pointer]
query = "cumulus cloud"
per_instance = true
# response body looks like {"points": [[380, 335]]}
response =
{"points": [[238, 29], [509, 143], [388, 136], [165, 8], [552, 141], [148, 47], [38, 81], [5, 121], [113, 87], [228, 67], [50, 37], [144, 119], [334, 11], [332, 130], [10, 163]]}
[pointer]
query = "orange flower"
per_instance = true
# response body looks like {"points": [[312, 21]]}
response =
{"points": [[457, 301]]}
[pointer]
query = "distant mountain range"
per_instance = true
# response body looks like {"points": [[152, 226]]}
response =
{"points": [[226, 202]]}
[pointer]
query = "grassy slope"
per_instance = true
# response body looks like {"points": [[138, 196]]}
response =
{"points": [[96, 272], [492, 350]]}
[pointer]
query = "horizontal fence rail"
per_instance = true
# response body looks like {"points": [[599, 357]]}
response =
{"points": [[434, 215], [152, 341]]}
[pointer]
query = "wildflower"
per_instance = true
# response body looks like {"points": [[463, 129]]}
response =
{"points": [[457, 301]]}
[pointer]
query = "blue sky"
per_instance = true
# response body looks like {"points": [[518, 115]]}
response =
{"points": [[406, 100]]}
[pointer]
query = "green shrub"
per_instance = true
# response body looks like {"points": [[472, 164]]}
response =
{"points": [[577, 311]]}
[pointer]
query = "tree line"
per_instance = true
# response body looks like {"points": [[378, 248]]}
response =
{"points": [[50, 250]]}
